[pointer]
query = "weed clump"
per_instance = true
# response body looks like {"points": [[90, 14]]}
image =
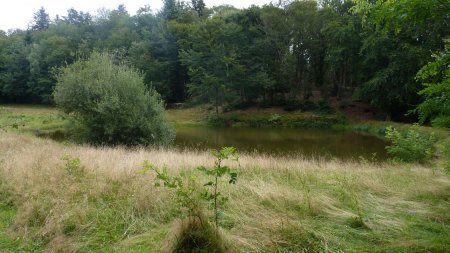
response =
{"points": [[195, 234], [73, 166]]}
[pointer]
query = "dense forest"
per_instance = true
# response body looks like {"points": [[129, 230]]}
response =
{"points": [[288, 54]]}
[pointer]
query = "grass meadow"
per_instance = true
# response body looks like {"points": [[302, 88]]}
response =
{"points": [[277, 205]]}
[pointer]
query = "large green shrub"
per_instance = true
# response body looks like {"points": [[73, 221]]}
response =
{"points": [[410, 146], [110, 103]]}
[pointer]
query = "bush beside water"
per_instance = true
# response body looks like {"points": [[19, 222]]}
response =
{"points": [[110, 104], [410, 146]]}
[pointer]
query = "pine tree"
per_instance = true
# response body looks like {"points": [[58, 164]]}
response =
{"points": [[41, 20], [198, 6], [170, 10]]}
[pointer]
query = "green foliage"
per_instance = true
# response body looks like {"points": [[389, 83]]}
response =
{"points": [[213, 194], [401, 15], [397, 48], [16, 123], [41, 20], [51, 52], [389, 74], [274, 55], [14, 69], [110, 103], [411, 146], [183, 185], [38, 120], [73, 166], [198, 6], [218, 121], [195, 233], [7, 215], [170, 9], [435, 77], [445, 147], [278, 120], [212, 62]]}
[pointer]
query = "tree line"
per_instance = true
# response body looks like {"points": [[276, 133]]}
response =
{"points": [[284, 54]]}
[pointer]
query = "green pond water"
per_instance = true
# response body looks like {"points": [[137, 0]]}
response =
{"points": [[284, 141]]}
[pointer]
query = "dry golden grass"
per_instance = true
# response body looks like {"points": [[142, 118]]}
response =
{"points": [[279, 204]]}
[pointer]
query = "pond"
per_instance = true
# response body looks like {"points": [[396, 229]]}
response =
{"points": [[284, 141]]}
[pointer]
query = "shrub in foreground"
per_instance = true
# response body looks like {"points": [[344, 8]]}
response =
{"points": [[110, 103], [411, 146], [195, 233]]}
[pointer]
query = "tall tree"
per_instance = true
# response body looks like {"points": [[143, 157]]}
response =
{"points": [[253, 51], [342, 34], [41, 20], [389, 67], [14, 68], [302, 17], [170, 9], [435, 77], [404, 33], [275, 55], [212, 62], [77, 18], [198, 6], [278, 37], [44, 58]]}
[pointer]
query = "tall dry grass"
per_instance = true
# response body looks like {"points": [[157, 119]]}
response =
{"points": [[279, 204]]}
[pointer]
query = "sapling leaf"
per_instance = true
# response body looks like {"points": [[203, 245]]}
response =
{"points": [[222, 170], [142, 171], [233, 178]]}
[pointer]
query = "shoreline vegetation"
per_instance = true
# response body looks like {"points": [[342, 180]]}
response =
{"points": [[60, 197], [289, 205], [46, 121], [49, 122]]}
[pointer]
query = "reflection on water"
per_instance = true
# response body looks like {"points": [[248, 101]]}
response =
{"points": [[284, 141]]}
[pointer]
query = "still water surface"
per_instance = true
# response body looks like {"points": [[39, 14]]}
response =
{"points": [[284, 141]]}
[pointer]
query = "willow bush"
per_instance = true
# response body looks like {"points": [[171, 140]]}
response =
{"points": [[110, 104]]}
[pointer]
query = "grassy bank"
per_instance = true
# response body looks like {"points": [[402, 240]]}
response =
{"points": [[48, 120], [276, 118], [35, 119], [278, 205], [45, 121]]}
